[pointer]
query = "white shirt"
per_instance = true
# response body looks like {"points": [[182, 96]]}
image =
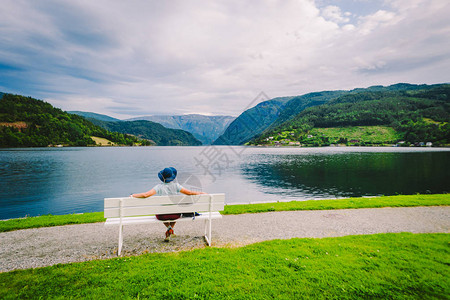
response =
{"points": [[171, 188]]}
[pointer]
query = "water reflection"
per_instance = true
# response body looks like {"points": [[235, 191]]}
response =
{"points": [[349, 174]]}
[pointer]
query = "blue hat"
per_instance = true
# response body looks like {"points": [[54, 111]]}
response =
{"points": [[167, 175]]}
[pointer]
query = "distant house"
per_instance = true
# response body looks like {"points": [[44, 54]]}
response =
{"points": [[429, 144], [270, 137]]}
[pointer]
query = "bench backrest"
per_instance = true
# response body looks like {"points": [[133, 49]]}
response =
{"points": [[129, 207]]}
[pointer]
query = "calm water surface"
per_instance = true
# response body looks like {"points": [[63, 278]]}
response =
{"points": [[73, 180]]}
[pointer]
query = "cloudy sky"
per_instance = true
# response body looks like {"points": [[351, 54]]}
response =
{"points": [[143, 57]]}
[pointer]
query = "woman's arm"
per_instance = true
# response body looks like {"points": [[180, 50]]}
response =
{"points": [[144, 195], [188, 192]]}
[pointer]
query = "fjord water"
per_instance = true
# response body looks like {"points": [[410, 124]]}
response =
{"points": [[39, 181]]}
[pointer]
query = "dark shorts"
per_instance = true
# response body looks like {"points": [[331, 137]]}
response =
{"points": [[168, 217]]}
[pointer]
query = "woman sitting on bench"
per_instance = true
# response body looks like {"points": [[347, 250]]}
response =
{"points": [[166, 188]]}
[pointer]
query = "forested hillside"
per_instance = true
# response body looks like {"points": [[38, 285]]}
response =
{"points": [[419, 114], [276, 116], [155, 132], [299, 103], [28, 122]]}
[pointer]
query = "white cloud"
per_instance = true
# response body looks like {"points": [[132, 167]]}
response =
{"points": [[377, 20], [144, 57], [334, 14]]}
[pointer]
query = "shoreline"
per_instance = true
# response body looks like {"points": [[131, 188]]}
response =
{"points": [[248, 146]]}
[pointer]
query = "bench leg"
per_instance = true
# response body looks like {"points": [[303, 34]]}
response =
{"points": [[208, 232], [210, 237], [120, 239]]}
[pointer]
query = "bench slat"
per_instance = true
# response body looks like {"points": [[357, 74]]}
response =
{"points": [[166, 209], [152, 219], [163, 200]]}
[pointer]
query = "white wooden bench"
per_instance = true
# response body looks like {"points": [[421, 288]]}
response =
{"points": [[128, 210]]}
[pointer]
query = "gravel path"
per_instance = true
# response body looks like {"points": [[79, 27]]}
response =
{"points": [[40, 247]]}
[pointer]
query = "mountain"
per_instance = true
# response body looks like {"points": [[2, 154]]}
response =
{"points": [[205, 128], [412, 114], [258, 121], [91, 115], [252, 122], [28, 122], [155, 132], [299, 103], [392, 88]]}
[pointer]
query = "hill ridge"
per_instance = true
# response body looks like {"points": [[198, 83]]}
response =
{"points": [[242, 130], [29, 122], [417, 115]]}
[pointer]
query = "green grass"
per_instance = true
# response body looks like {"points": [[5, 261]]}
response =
{"points": [[50, 220], [431, 121], [376, 202], [382, 266], [366, 134]]}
